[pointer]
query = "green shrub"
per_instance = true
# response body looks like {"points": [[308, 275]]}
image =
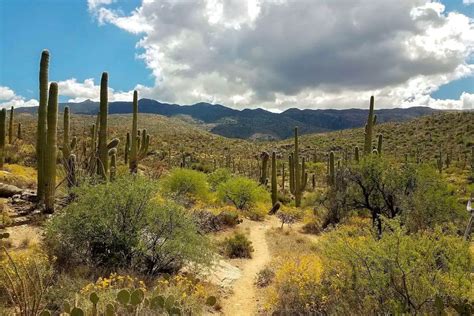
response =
{"points": [[242, 192], [185, 185], [119, 225], [238, 246], [419, 273], [217, 177]]}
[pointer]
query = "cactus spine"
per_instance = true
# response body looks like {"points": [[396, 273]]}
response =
{"points": [[274, 180], [298, 173], [379, 144], [10, 127], [369, 126], [41, 127], [3, 117], [51, 148], [104, 105]]}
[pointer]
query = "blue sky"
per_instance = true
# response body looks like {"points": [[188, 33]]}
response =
{"points": [[83, 42]]}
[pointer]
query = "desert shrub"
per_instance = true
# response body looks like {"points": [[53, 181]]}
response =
{"points": [[289, 215], [242, 192], [237, 246], [217, 177], [419, 273], [24, 279], [296, 287], [185, 185], [119, 225], [207, 221], [265, 277]]}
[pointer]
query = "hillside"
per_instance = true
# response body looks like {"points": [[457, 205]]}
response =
{"points": [[253, 123]]}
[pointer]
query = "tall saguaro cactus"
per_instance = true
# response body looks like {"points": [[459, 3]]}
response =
{"points": [[3, 117], [369, 127], [10, 126], [138, 147], [41, 127], [274, 179], [264, 156], [68, 145], [50, 153], [356, 154], [298, 175], [332, 172], [104, 111]]}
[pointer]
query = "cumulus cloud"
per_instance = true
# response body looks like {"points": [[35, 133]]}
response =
{"points": [[281, 53], [8, 98], [468, 2], [80, 91]]}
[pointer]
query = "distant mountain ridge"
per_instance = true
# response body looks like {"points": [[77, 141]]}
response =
{"points": [[253, 123]]}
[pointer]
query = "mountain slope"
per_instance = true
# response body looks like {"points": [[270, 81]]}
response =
{"points": [[253, 123]]}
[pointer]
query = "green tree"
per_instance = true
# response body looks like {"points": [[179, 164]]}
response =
{"points": [[185, 185], [242, 192]]}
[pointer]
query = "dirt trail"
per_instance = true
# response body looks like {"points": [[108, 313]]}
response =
{"points": [[243, 301]]}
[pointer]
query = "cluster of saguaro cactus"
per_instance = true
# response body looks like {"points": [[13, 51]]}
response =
{"points": [[369, 127], [138, 148], [298, 175], [3, 115], [46, 145]]}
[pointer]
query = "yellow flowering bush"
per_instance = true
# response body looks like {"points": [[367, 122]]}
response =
{"points": [[296, 286]]}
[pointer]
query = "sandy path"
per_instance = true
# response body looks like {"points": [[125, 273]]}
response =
{"points": [[243, 301]]}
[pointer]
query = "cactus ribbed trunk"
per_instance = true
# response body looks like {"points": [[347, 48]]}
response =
{"points": [[274, 180], [104, 105], [298, 175], [369, 126], [10, 127], [51, 148], [127, 148], [3, 119], [66, 144], [18, 135], [264, 156], [283, 176], [134, 145], [41, 127], [356, 154]]}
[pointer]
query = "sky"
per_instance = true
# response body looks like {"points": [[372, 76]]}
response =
{"points": [[273, 54]]}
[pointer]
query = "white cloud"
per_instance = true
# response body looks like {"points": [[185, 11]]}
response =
{"points": [[8, 98], [81, 91], [468, 2], [281, 53]]}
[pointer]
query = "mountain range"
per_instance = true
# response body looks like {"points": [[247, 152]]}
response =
{"points": [[252, 123]]}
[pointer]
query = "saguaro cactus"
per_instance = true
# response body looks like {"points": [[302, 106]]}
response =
{"points": [[104, 111], [51, 148], [41, 127], [439, 161], [18, 134], [379, 144], [68, 146], [138, 147], [113, 165], [356, 154], [127, 148], [274, 179], [472, 163], [264, 156], [298, 175], [369, 126], [10, 126], [3, 117]]}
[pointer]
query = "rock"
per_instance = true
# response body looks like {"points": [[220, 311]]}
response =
{"points": [[223, 274], [8, 190]]}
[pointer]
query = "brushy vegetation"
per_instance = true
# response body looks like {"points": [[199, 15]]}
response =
{"points": [[237, 246], [120, 225]]}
